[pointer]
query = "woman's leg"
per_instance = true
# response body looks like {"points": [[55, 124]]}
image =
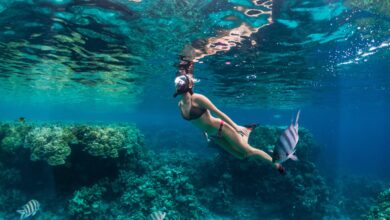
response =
{"points": [[226, 146], [243, 150]]}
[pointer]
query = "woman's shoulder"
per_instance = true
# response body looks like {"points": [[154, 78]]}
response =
{"points": [[199, 97]]}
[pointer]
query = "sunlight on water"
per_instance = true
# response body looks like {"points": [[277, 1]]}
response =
{"points": [[116, 49]]}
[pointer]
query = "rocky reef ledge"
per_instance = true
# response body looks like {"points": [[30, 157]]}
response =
{"points": [[380, 211], [105, 171]]}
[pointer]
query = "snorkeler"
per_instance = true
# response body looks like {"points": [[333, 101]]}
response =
{"points": [[197, 109]]}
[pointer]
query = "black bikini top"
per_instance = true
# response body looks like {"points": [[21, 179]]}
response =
{"points": [[195, 112]]}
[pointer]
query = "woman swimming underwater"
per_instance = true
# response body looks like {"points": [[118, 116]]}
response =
{"points": [[197, 109]]}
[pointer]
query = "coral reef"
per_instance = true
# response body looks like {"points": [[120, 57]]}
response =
{"points": [[381, 211], [106, 141], [109, 173], [165, 185], [300, 194], [87, 202], [12, 136], [354, 195], [219, 195], [63, 144], [9, 196], [54, 143], [49, 143]]}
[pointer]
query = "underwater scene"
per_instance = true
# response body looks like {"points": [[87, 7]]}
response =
{"points": [[194, 109]]}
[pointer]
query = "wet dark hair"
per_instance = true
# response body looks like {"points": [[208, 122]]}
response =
{"points": [[185, 65]]}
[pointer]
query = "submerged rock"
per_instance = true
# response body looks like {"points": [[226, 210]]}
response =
{"points": [[381, 211]]}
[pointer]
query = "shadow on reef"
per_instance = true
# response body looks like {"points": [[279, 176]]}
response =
{"points": [[106, 172]]}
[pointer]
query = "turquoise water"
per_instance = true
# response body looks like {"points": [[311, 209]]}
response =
{"points": [[103, 138]]}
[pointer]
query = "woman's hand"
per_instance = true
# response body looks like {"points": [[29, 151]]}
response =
{"points": [[242, 130]]}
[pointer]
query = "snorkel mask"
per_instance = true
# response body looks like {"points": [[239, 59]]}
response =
{"points": [[182, 84]]}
